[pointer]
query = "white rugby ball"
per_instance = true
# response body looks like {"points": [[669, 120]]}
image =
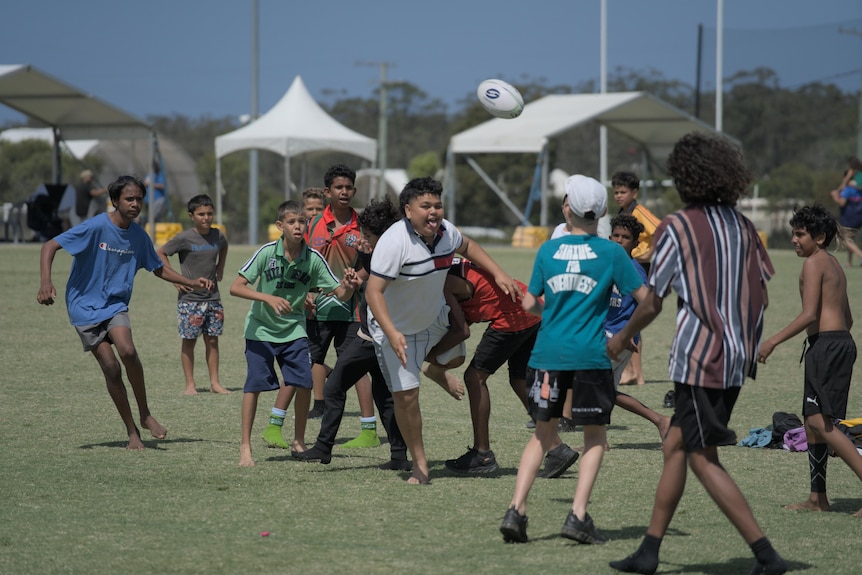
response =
{"points": [[500, 99]]}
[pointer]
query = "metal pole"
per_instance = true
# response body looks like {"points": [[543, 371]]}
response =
{"points": [[383, 130], [252, 155], [719, 63], [603, 88], [697, 73]]}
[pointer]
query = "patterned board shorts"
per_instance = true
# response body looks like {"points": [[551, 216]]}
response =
{"points": [[200, 317]]}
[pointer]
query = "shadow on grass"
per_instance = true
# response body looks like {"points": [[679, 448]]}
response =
{"points": [[849, 506], [148, 443], [732, 567]]}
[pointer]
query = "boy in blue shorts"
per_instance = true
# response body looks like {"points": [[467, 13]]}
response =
{"points": [[711, 256], [285, 271], [407, 311], [576, 274], [202, 251], [108, 250]]}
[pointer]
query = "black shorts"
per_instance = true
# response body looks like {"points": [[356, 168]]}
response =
{"points": [[497, 347], [593, 394], [321, 335], [828, 370], [703, 414]]}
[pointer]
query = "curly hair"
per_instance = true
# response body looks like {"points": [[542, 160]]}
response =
{"points": [[419, 187], [627, 179], [338, 171], [708, 170], [316, 193], [630, 223], [817, 220], [378, 215]]}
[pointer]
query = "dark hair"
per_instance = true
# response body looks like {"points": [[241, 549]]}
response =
{"points": [[708, 170], [115, 188], [855, 163], [314, 193], [630, 223], [198, 201], [627, 179], [289, 207], [378, 215], [816, 220], [419, 187], [339, 171]]}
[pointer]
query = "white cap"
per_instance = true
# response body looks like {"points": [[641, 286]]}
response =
{"points": [[587, 198]]}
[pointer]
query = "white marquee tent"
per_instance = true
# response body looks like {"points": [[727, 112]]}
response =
{"points": [[295, 125], [653, 123]]}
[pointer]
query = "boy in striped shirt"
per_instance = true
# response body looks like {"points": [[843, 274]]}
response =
{"points": [[712, 257]]}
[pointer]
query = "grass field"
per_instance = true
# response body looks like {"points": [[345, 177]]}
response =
{"points": [[73, 500]]}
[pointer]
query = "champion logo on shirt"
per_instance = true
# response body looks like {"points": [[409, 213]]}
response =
{"points": [[105, 247]]}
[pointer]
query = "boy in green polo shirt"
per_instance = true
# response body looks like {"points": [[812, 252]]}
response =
{"points": [[285, 270]]}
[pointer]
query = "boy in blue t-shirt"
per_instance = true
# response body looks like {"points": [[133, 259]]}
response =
{"points": [[108, 251], [575, 274]]}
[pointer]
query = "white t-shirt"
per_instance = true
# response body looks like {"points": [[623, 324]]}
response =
{"points": [[416, 273], [603, 230]]}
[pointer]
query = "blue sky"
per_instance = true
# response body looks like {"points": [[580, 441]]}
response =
{"points": [[193, 57]]}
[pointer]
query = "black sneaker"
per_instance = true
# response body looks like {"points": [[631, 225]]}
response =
{"points": [[637, 562], [566, 425], [313, 455], [396, 465], [316, 411], [530, 424], [558, 460], [474, 462], [514, 527], [669, 399], [581, 531]]}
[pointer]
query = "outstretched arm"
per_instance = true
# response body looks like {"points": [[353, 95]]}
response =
{"points": [[172, 276], [47, 294], [649, 307], [475, 253]]}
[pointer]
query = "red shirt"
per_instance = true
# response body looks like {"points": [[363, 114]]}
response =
{"points": [[489, 303], [338, 248]]}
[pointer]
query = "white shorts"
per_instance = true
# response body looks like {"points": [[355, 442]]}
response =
{"points": [[399, 377], [445, 357]]}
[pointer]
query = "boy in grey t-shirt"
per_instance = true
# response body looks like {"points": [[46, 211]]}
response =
{"points": [[202, 251]]}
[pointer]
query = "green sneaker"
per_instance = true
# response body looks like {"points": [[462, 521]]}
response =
{"points": [[366, 438], [272, 436]]}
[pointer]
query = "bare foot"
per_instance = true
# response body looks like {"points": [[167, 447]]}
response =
{"points": [[858, 514], [641, 381], [808, 505], [157, 430], [418, 479], [297, 446], [632, 381], [450, 384], [245, 459], [216, 388], [190, 390], [135, 442]]}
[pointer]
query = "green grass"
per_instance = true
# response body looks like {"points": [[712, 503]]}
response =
{"points": [[73, 500]]}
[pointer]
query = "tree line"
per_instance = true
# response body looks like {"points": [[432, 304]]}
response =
{"points": [[796, 142]]}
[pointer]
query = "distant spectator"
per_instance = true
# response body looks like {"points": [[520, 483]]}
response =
{"points": [[90, 199]]}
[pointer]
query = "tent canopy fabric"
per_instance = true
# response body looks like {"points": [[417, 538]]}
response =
{"points": [[296, 125], [53, 103], [646, 119]]}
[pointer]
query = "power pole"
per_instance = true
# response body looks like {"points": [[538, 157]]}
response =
{"points": [[855, 32], [382, 126]]}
